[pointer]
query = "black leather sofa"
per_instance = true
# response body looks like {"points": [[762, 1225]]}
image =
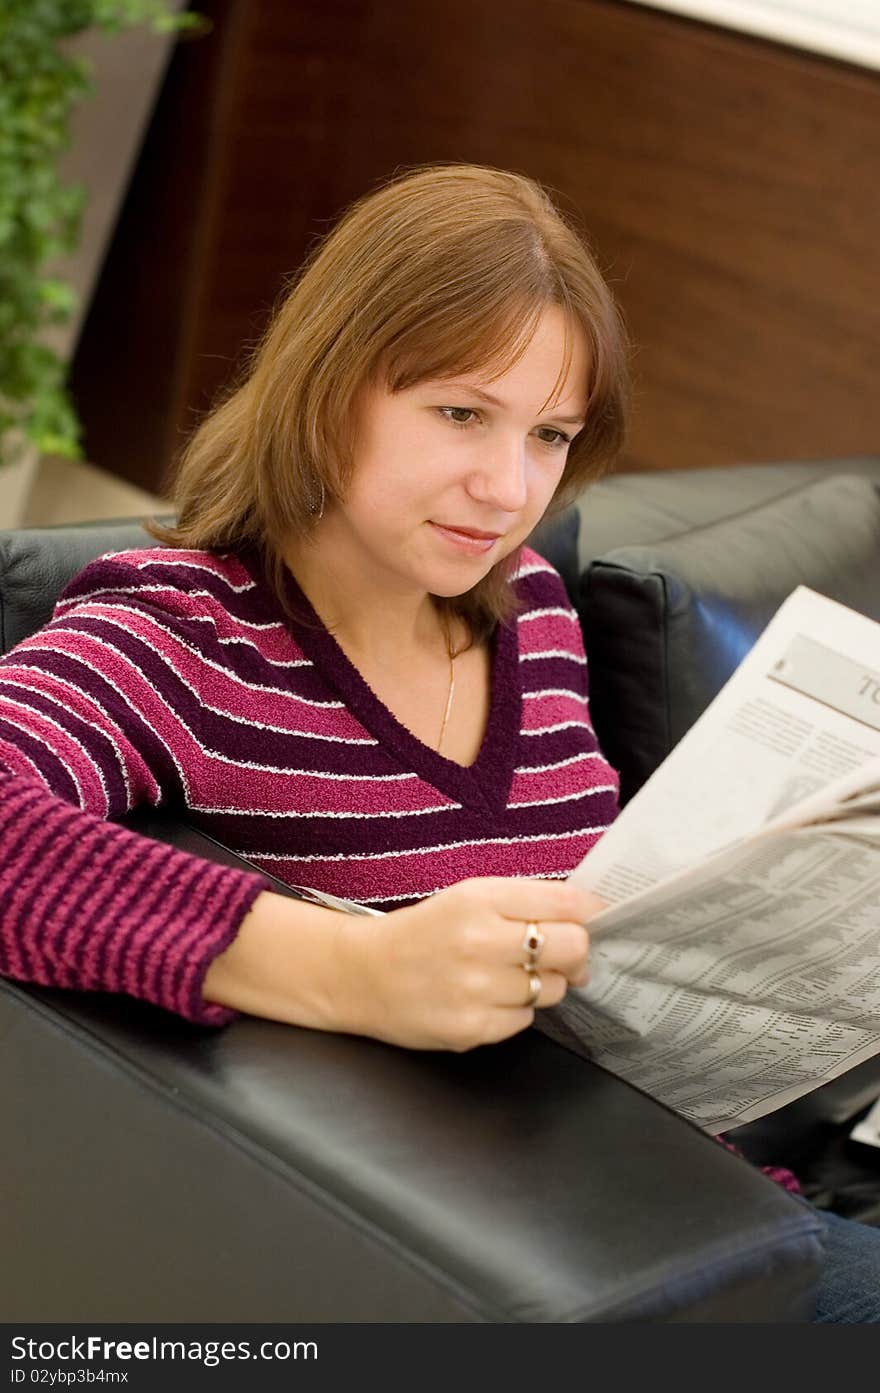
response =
{"points": [[156, 1171]]}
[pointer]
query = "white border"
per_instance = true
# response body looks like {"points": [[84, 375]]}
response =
{"points": [[847, 29]]}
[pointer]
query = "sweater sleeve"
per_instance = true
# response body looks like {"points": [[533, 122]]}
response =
{"points": [[86, 734]]}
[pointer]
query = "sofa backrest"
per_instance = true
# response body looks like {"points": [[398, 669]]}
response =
{"points": [[666, 624], [37, 562]]}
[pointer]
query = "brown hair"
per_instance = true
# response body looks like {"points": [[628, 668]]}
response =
{"points": [[444, 270]]}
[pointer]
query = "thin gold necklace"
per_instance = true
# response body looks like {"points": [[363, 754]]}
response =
{"points": [[451, 694]]}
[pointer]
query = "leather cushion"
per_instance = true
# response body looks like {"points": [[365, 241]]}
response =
{"points": [[666, 625], [556, 539], [37, 562], [270, 1173], [641, 509]]}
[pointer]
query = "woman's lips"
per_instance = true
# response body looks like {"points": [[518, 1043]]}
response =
{"points": [[476, 546]]}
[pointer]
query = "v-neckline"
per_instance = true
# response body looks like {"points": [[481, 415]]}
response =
{"points": [[483, 785]]}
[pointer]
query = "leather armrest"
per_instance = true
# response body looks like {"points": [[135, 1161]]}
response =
{"points": [[267, 1173]]}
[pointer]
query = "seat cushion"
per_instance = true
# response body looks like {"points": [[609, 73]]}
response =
{"points": [[666, 625]]}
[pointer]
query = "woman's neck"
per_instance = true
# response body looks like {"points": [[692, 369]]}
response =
{"points": [[369, 623]]}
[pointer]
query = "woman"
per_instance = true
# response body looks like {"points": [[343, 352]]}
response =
{"points": [[344, 663], [325, 672]]}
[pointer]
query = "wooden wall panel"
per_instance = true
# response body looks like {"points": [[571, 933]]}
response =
{"points": [[729, 187]]}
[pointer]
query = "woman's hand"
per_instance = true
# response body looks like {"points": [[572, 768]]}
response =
{"points": [[447, 973]]}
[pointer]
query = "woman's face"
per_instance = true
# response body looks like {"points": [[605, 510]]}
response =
{"points": [[459, 453]]}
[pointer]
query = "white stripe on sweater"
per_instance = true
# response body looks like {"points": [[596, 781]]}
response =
{"points": [[555, 691], [554, 653], [559, 763], [563, 725], [549, 610], [566, 797], [319, 813]]}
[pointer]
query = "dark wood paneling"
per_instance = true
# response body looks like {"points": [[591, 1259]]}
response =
{"points": [[729, 186], [132, 366]]}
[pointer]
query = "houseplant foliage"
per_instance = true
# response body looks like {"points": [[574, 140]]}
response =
{"points": [[40, 84]]}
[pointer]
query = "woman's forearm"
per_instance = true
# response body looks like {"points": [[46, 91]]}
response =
{"points": [[444, 973], [89, 905], [290, 961]]}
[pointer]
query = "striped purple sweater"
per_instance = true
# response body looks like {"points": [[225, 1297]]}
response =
{"points": [[173, 678]]}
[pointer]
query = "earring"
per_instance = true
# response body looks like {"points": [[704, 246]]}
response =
{"points": [[314, 506]]}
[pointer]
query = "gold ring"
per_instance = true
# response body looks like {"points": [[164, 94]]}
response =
{"points": [[534, 988], [533, 942]]}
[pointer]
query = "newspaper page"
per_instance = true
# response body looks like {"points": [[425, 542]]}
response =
{"points": [[801, 711], [735, 988], [729, 987]]}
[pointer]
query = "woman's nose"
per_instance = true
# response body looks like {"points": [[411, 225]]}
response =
{"points": [[501, 478]]}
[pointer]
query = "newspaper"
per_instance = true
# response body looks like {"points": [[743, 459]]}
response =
{"points": [[738, 964]]}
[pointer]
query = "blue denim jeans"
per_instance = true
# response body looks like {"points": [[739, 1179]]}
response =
{"points": [[849, 1281]]}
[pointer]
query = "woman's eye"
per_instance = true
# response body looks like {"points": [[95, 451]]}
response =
{"points": [[464, 416], [458, 415], [558, 439]]}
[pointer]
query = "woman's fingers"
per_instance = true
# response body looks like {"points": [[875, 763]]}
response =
{"points": [[525, 898], [561, 946], [457, 969], [552, 912], [531, 990]]}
